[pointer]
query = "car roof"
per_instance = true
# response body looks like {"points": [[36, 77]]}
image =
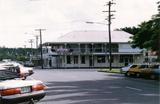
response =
{"points": [[5, 65], [146, 64]]}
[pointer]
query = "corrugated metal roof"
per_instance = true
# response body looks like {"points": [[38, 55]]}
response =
{"points": [[95, 36]]}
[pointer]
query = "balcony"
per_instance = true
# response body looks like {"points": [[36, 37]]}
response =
{"points": [[90, 48], [77, 51]]}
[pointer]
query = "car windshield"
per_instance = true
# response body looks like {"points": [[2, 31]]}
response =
{"points": [[133, 66], [7, 74]]}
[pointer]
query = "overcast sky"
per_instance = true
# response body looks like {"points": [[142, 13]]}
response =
{"points": [[20, 18]]}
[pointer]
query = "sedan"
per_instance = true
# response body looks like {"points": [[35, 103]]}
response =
{"points": [[132, 69], [18, 68], [13, 90], [152, 72]]}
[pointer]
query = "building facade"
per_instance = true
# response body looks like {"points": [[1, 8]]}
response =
{"points": [[90, 49]]}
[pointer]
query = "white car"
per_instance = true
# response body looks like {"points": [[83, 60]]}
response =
{"points": [[18, 68], [13, 90], [126, 68]]}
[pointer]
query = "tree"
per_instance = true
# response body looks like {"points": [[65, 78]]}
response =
{"points": [[132, 30], [158, 15], [147, 34]]}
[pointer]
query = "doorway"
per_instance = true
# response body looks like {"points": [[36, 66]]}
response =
{"points": [[126, 61]]}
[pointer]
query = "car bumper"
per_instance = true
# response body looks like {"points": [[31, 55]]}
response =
{"points": [[21, 98]]}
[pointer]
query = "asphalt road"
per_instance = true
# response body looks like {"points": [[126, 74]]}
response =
{"points": [[92, 87]]}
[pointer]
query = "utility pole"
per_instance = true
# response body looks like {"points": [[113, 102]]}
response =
{"points": [[24, 46], [40, 35], [31, 53], [31, 41], [109, 4], [37, 37]]}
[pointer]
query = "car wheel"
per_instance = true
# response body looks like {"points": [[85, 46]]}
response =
{"points": [[137, 75], [31, 101], [152, 76], [128, 74]]}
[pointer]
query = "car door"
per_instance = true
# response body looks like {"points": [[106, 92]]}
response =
{"points": [[145, 70], [133, 69]]}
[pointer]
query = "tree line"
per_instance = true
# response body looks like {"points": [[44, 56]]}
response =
{"points": [[17, 54]]}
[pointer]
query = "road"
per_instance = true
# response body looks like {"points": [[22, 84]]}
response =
{"points": [[92, 87]]}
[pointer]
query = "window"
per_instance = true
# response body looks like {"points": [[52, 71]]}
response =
{"points": [[75, 59], [114, 47], [101, 59], [97, 47], [143, 66], [131, 59], [90, 47], [121, 60], [155, 66], [82, 47], [126, 58], [146, 60], [68, 59], [133, 66], [82, 59]]}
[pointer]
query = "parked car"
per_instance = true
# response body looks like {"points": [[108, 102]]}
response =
{"points": [[152, 72], [18, 68], [126, 68], [142, 70], [131, 70], [13, 90], [28, 64]]}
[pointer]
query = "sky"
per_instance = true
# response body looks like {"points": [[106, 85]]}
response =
{"points": [[20, 18]]}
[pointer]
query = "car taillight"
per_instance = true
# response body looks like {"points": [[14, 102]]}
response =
{"points": [[10, 91], [38, 87]]}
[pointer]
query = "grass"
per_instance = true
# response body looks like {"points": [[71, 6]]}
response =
{"points": [[110, 71]]}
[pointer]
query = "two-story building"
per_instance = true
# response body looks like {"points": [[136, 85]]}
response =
{"points": [[90, 49]]}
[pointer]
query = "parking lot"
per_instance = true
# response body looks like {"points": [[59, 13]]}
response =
{"points": [[66, 86]]}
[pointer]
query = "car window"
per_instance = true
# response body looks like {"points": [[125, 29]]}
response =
{"points": [[154, 66], [7, 74], [133, 66], [14, 69], [143, 66]]}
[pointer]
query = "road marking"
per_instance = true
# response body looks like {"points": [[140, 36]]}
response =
{"points": [[132, 88], [152, 95], [114, 87]]}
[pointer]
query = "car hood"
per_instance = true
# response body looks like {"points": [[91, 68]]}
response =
{"points": [[25, 69], [17, 83], [125, 68]]}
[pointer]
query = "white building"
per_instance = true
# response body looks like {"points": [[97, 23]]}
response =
{"points": [[90, 49]]}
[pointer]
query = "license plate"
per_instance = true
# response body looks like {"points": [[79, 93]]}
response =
{"points": [[25, 89]]}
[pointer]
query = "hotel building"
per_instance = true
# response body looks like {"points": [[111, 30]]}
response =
{"points": [[90, 49]]}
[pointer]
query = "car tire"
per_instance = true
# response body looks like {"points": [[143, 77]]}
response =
{"points": [[152, 76], [138, 75], [31, 101], [128, 74]]}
